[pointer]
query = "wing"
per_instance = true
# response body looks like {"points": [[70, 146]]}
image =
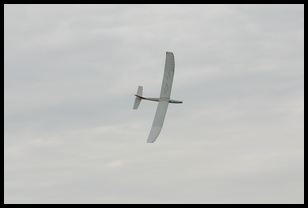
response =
{"points": [[168, 76], [158, 121]]}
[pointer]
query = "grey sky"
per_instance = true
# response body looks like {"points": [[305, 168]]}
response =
{"points": [[71, 135]]}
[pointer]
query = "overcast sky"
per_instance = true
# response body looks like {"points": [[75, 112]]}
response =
{"points": [[71, 135]]}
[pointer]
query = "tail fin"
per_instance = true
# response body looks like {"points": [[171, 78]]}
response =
{"points": [[138, 97]]}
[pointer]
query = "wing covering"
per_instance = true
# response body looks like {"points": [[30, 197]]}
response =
{"points": [[158, 121], [168, 76]]}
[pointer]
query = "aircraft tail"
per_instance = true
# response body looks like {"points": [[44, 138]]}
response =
{"points": [[138, 97]]}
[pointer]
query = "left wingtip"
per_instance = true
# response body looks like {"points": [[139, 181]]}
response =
{"points": [[153, 134], [151, 139]]}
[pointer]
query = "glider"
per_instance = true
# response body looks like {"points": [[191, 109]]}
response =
{"points": [[163, 100]]}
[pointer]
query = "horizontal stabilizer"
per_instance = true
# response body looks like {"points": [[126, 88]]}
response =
{"points": [[138, 97], [137, 103], [140, 91]]}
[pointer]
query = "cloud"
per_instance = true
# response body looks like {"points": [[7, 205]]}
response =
{"points": [[72, 137]]}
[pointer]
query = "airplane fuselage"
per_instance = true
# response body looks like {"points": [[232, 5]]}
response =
{"points": [[160, 99]]}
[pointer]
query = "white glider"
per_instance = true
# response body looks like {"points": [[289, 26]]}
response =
{"points": [[163, 100]]}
